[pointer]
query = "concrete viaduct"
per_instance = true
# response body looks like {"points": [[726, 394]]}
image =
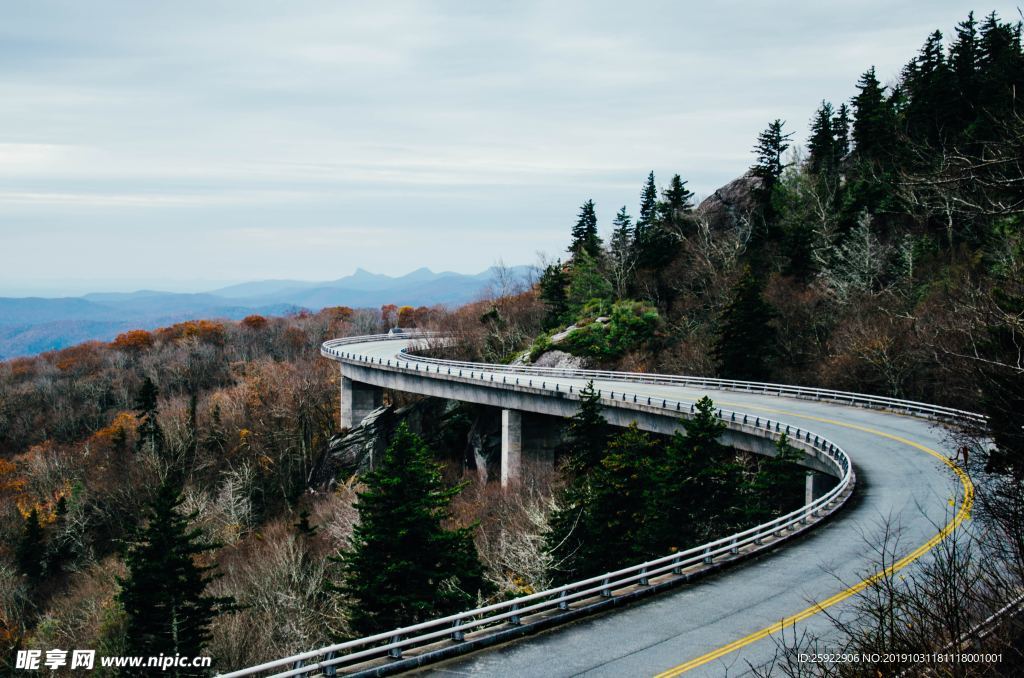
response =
{"points": [[765, 580]]}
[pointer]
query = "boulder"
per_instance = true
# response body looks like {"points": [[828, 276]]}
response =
{"points": [[730, 204]]}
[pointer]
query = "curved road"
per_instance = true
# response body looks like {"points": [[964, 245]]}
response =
{"points": [[723, 624]]}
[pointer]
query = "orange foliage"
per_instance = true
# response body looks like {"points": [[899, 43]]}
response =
{"points": [[22, 367], [206, 331], [85, 356], [406, 316], [388, 313], [116, 434], [10, 483], [254, 322], [134, 341], [338, 312], [46, 508]]}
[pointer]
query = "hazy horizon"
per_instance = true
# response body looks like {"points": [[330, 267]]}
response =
{"points": [[194, 146]]}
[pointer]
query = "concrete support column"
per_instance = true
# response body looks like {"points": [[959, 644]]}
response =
{"points": [[816, 485], [357, 401], [511, 447]]}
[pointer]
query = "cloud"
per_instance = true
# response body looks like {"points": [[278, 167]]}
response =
{"points": [[395, 128]]}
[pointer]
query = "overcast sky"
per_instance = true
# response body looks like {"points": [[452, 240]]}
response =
{"points": [[183, 145]]}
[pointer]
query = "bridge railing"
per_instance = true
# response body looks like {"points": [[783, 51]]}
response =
{"points": [[805, 392], [561, 599]]}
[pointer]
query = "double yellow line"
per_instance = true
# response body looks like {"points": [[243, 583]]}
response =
{"points": [[961, 514]]}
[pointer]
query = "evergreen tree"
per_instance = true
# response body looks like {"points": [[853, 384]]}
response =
{"points": [[150, 435], [554, 292], [675, 206], [586, 436], [823, 156], [584, 233], [1003, 393], [648, 218], [676, 497], [872, 122], [163, 594], [1002, 68], [621, 254], [778, 485], [600, 522], [964, 58], [31, 549], [403, 566], [772, 143], [587, 284], [929, 86], [745, 345], [841, 132], [62, 542]]}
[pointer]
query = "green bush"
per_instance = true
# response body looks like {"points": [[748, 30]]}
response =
{"points": [[631, 323], [540, 344]]}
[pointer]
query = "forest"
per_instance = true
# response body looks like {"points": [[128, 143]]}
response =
{"points": [[885, 255]]}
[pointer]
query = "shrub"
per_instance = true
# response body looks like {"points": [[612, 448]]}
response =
{"points": [[630, 324]]}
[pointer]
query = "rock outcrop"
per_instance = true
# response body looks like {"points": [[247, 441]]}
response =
{"points": [[730, 205]]}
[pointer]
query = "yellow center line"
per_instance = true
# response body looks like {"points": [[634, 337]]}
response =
{"points": [[961, 515]]}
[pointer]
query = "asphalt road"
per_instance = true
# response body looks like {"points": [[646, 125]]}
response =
{"points": [[711, 627]]}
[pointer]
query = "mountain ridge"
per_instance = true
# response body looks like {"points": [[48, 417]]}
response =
{"points": [[31, 325]]}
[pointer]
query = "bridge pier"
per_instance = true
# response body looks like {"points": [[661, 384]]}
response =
{"points": [[816, 485], [357, 401], [511, 447]]}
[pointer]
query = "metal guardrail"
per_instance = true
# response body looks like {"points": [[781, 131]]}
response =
{"points": [[843, 397], [560, 600]]}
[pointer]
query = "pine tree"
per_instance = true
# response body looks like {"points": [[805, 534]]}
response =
{"points": [[772, 143], [778, 485], [587, 284], [402, 566], [30, 552], [163, 595], [929, 85], [676, 498], [745, 345], [586, 435], [621, 254], [648, 218], [841, 132], [599, 524], [675, 206], [873, 122], [554, 292], [964, 58], [821, 146], [1001, 66], [150, 435], [584, 233]]}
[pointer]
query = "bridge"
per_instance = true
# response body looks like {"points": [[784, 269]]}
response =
{"points": [[741, 590]]}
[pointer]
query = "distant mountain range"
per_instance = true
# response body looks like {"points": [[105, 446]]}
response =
{"points": [[32, 325]]}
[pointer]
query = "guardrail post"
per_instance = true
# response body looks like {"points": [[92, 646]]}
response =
{"points": [[332, 670], [606, 592], [707, 556], [735, 549], [395, 652], [458, 635], [514, 619], [676, 567], [563, 604], [643, 578]]}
